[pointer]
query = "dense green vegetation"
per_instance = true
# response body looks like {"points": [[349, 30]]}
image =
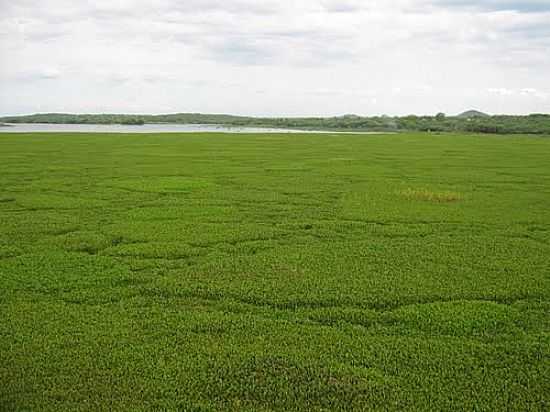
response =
{"points": [[185, 118], [471, 121], [274, 272]]}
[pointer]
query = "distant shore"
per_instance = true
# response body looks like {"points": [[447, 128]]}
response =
{"points": [[471, 121]]}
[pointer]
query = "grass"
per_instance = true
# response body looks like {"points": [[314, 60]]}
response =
{"points": [[274, 272], [430, 195]]}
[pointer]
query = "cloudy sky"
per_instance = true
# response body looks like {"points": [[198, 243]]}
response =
{"points": [[275, 57]]}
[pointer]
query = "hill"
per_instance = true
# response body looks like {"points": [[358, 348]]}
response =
{"points": [[472, 113]]}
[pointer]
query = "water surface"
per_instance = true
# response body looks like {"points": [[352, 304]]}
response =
{"points": [[146, 128]]}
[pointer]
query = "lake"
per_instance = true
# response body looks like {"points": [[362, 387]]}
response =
{"points": [[156, 128], [147, 128]]}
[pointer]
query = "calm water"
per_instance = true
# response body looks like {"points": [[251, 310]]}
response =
{"points": [[154, 128], [147, 128]]}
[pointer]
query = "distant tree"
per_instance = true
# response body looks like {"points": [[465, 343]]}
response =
{"points": [[440, 116]]}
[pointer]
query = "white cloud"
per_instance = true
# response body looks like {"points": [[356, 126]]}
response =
{"points": [[526, 91], [501, 91], [309, 57]]}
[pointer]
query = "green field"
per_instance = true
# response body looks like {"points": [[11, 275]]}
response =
{"points": [[208, 272]]}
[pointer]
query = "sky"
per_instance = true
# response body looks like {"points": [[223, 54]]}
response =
{"points": [[275, 57]]}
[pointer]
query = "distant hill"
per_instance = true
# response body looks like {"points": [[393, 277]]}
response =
{"points": [[472, 113]]}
